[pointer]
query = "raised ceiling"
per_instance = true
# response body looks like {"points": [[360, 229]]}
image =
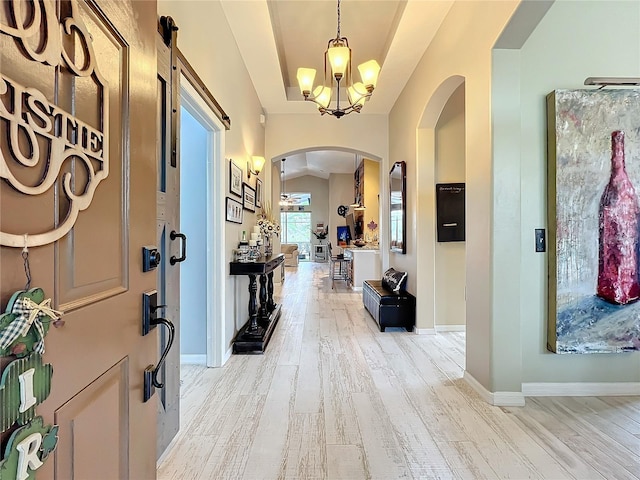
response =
{"points": [[275, 37]]}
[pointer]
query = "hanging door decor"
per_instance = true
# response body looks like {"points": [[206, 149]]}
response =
{"points": [[42, 137]]}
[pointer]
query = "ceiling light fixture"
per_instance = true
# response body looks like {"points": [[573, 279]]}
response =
{"points": [[338, 57]]}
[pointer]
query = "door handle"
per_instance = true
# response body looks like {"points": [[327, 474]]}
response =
{"points": [[183, 254], [151, 373]]}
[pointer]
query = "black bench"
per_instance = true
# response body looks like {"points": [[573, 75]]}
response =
{"points": [[389, 307]]}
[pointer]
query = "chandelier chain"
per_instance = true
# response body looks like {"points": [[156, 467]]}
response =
{"points": [[338, 36]]}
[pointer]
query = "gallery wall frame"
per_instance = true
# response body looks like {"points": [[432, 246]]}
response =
{"points": [[235, 179], [248, 197], [234, 211], [259, 193]]}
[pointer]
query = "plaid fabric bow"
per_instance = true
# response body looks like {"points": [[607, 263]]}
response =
{"points": [[29, 313]]}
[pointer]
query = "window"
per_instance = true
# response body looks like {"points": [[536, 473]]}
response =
{"points": [[296, 228]]}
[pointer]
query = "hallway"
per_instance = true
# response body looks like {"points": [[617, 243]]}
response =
{"points": [[334, 398]]}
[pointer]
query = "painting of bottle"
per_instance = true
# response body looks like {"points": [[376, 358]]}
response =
{"points": [[618, 232]]}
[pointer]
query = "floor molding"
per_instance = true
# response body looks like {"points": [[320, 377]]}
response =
{"points": [[451, 328], [499, 399], [581, 389], [424, 331], [193, 359]]}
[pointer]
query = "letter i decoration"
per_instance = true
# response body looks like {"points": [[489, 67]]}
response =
{"points": [[618, 232], [25, 382]]}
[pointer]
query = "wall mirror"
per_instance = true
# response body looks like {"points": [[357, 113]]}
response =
{"points": [[398, 207]]}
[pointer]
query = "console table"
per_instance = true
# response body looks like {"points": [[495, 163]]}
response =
{"points": [[255, 334]]}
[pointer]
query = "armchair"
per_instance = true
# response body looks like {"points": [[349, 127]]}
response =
{"points": [[290, 251]]}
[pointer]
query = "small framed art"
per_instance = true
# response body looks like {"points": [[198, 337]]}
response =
{"points": [[248, 197], [235, 179], [234, 211], [258, 193]]}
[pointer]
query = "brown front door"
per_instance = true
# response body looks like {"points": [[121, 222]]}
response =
{"points": [[78, 92]]}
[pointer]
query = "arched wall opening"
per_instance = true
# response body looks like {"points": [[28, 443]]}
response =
{"points": [[333, 187], [428, 304]]}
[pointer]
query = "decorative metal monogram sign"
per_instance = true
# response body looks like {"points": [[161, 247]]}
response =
{"points": [[40, 135]]}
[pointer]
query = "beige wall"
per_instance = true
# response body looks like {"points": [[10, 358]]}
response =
{"points": [[450, 256], [217, 61], [462, 48]]}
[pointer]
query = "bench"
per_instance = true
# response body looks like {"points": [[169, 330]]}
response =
{"points": [[388, 303]]}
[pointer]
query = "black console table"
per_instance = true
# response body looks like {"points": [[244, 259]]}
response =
{"points": [[255, 334]]}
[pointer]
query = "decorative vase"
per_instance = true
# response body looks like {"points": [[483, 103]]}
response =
{"points": [[268, 249], [618, 232]]}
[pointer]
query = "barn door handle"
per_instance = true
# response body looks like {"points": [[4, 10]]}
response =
{"points": [[183, 254], [151, 372]]}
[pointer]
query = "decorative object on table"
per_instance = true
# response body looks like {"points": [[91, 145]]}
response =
{"points": [[235, 179], [359, 243], [268, 228], [337, 66], [593, 220], [248, 197], [342, 210], [234, 211], [258, 193]]}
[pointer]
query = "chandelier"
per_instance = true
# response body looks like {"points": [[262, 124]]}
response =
{"points": [[338, 57]]}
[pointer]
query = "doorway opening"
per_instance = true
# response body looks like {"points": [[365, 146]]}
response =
{"points": [[202, 306]]}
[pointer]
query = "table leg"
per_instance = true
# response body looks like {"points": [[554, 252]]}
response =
{"points": [[253, 329], [271, 305], [263, 312]]}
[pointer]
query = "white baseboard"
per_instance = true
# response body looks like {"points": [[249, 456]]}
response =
{"points": [[193, 359], [581, 389], [424, 331], [499, 399], [227, 356], [451, 328]]}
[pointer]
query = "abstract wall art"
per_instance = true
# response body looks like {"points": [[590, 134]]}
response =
{"points": [[593, 186]]}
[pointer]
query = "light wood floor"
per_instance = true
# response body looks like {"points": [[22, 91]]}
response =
{"points": [[333, 398]]}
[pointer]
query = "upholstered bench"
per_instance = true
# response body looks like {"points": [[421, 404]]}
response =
{"points": [[388, 303]]}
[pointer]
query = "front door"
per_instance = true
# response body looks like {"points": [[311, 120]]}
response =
{"points": [[77, 155]]}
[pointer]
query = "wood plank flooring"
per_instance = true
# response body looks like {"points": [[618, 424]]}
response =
{"points": [[333, 398]]}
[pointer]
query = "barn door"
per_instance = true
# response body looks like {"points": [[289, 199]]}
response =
{"points": [[172, 243], [77, 143]]}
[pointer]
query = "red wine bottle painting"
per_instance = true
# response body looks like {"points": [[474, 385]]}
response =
{"points": [[618, 232]]}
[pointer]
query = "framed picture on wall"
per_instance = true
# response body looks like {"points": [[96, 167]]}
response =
{"points": [[258, 193], [235, 179], [248, 197], [234, 211]]}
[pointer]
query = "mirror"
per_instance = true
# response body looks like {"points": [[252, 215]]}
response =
{"points": [[398, 207]]}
